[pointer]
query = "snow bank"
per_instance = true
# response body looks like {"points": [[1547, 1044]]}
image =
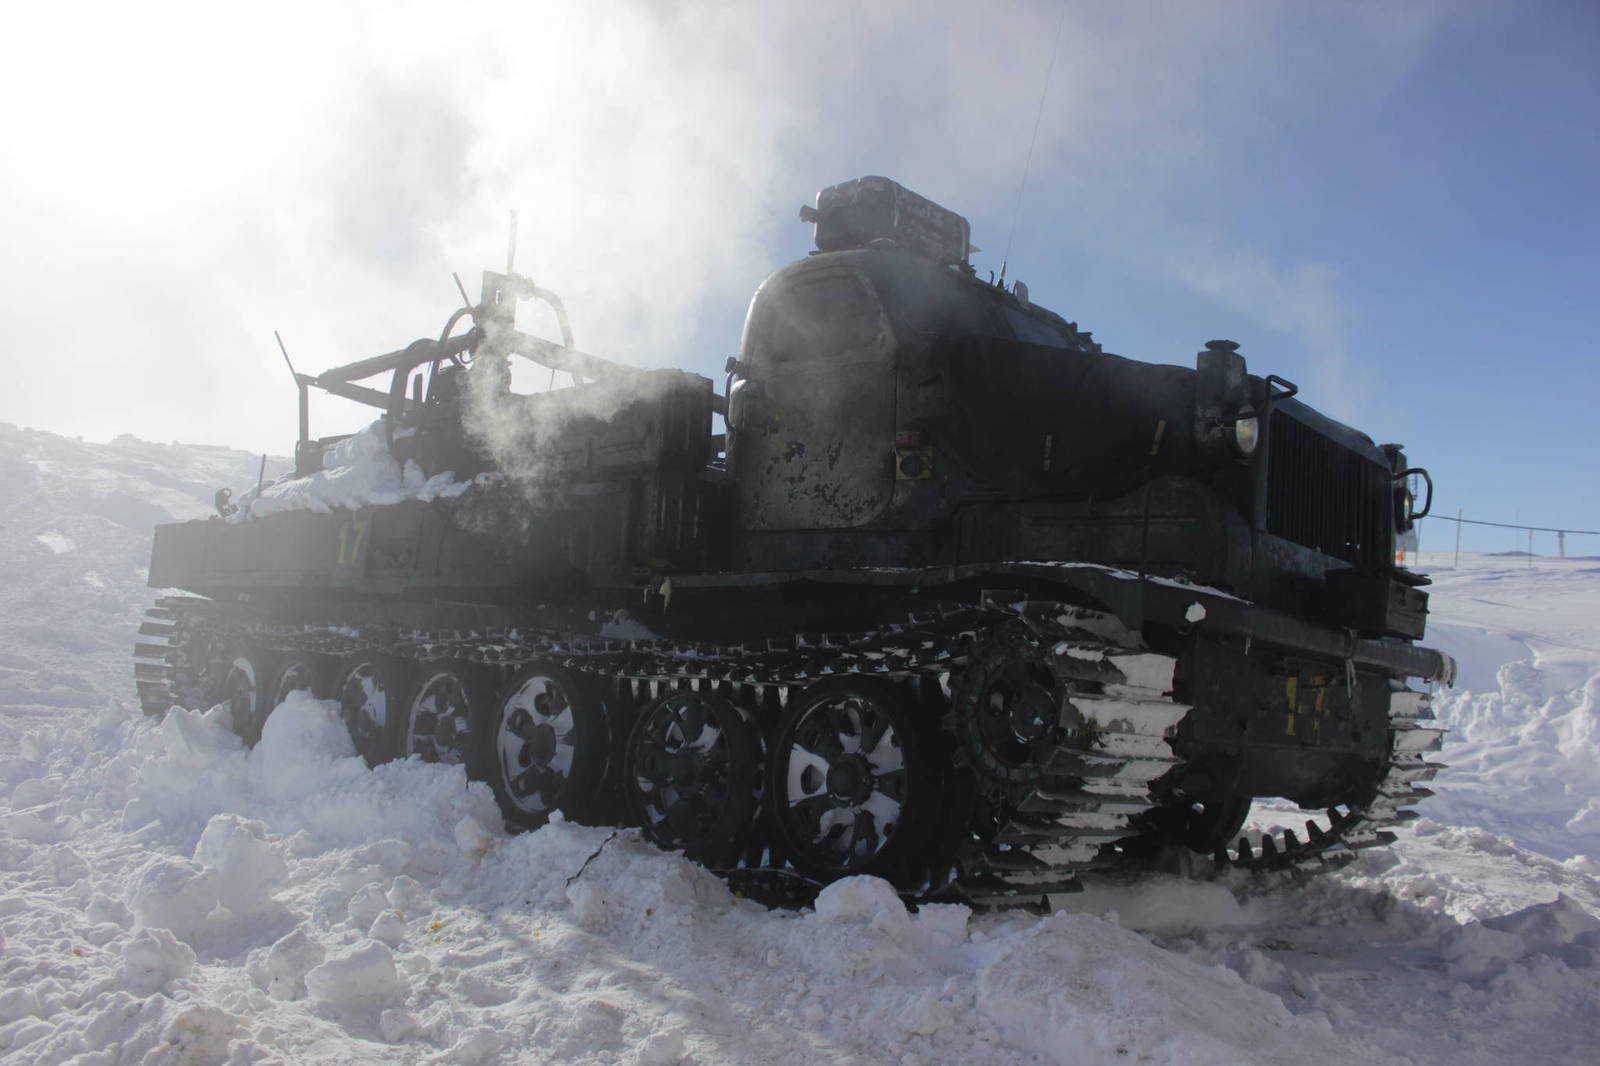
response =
{"points": [[200, 899], [194, 898], [357, 472], [1524, 761], [1485, 950], [1143, 1005]]}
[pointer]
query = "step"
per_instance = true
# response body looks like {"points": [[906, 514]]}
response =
{"points": [[1047, 801], [1408, 705], [1413, 741], [1417, 771], [1012, 860], [997, 891], [1036, 835], [1130, 715], [149, 690]]}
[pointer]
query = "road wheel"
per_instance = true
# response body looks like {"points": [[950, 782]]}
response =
{"points": [[544, 745], [852, 783], [245, 684], [690, 775], [371, 690], [448, 699], [301, 671]]}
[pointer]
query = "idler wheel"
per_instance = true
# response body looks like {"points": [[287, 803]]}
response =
{"points": [[448, 699], [1200, 823], [690, 775], [543, 747], [1007, 715], [853, 785], [371, 691]]}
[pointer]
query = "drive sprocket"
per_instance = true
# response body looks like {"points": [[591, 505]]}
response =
{"points": [[1009, 712]]}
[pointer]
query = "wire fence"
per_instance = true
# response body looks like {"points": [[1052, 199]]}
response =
{"points": [[1561, 534]]}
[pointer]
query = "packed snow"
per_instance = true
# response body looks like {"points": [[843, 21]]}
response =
{"points": [[1525, 761], [173, 897]]}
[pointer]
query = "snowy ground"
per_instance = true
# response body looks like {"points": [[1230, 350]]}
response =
{"points": [[172, 898]]}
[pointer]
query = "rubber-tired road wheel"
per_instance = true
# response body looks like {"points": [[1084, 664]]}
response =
{"points": [[852, 782], [543, 747], [371, 690], [448, 699], [690, 774], [245, 685]]}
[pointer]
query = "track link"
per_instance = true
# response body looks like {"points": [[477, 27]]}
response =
{"points": [[1116, 713], [1362, 826]]}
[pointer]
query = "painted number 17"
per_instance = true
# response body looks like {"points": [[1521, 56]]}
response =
{"points": [[352, 539]]}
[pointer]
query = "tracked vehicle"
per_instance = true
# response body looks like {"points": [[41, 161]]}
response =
{"points": [[958, 598]]}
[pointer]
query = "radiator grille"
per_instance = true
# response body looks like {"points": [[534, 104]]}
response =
{"points": [[1325, 496]]}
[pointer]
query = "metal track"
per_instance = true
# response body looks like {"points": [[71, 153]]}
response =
{"points": [[1362, 826], [172, 656], [1117, 712]]}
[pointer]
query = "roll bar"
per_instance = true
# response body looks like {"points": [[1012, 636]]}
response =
{"points": [[493, 331]]}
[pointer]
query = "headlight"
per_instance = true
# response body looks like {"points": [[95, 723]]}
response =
{"points": [[1405, 504], [1245, 436]]}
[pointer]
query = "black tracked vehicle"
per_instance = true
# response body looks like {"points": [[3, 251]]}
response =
{"points": [[958, 598]]}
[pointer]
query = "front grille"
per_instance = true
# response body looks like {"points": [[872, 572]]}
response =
{"points": [[1325, 496]]}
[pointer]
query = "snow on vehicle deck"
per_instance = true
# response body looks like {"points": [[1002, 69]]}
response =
{"points": [[357, 472]]}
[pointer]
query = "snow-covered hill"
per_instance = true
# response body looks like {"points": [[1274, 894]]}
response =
{"points": [[170, 897], [1525, 761], [75, 522]]}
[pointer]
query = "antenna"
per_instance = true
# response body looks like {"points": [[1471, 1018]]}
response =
{"points": [[511, 244], [286, 358], [466, 301], [1044, 91], [300, 383]]}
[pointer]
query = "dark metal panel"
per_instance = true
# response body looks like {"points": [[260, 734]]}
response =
{"points": [[1275, 724], [816, 451], [1136, 602]]}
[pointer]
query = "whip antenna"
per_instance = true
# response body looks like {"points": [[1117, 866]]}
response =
{"points": [[511, 244], [285, 352], [1044, 91], [302, 383]]}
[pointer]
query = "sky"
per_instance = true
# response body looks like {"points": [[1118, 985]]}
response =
{"points": [[1391, 204]]}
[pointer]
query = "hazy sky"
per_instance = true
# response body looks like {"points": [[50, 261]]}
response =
{"points": [[1392, 204]]}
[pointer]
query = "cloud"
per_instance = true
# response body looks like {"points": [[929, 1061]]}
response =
{"points": [[190, 177], [1302, 299]]}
